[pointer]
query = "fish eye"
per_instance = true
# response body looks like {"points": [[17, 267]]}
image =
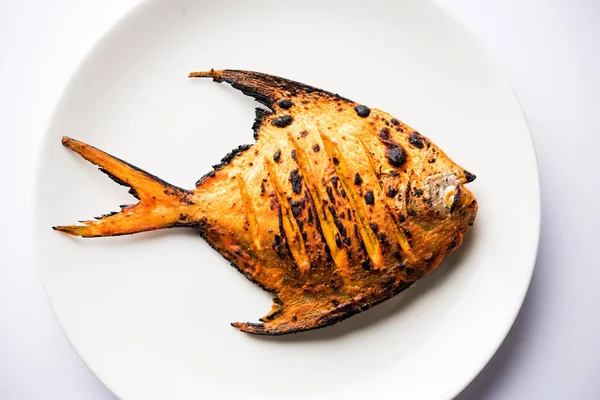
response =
{"points": [[448, 195]]}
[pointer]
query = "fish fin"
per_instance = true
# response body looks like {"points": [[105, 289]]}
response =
{"points": [[266, 89], [301, 315], [161, 205], [294, 312]]}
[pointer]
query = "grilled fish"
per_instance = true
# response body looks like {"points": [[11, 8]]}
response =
{"points": [[335, 208]]}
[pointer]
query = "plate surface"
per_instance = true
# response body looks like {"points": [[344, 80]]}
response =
{"points": [[150, 313]]}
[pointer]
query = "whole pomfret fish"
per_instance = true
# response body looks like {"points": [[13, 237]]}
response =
{"points": [[335, 208]]}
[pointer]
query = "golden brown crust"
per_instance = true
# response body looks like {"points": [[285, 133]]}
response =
{"points": [[334, 209]]}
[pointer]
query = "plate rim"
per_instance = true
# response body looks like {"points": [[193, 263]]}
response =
{"points": [[130, 13]]}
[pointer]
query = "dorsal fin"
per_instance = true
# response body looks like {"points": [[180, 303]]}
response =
{"points": [[266, 89]]}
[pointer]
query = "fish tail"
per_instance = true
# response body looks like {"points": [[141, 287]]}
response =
{"points": [[161, 205]]}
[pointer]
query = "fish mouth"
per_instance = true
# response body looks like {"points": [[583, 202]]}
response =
{"points": [[469, 177]]}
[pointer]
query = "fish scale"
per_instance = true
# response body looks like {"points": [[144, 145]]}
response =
{"points": [[336, 207]]}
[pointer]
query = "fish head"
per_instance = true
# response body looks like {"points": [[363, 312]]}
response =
{"points": [[445, 196], [440, 210]]}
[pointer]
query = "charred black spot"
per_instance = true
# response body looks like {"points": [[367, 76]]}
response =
{"points": [[260, 114], [369, 197], [389, 282], [338, 240], [409, 271], [453, 243], [343, 193], [186, 200], [277, 156], [338, 223], [401, 217], [295, 317], [276, 240], [134, 193], [385, 244], [335, 302], [336, 162], [456, 199], [262, 188], [469, 176], [294, 155], [394, 121], [310, 216], [238, 251], [374, 227], [110, 214], [399, 129], [357, 179], [418, 192], [364, 306], [316, 148], [384, 133], [296, 180], [113, 178], [283, 121], [285, 104], [332, 211], [407, 232], [298, 206], [362, 111], [304, 133], [330, 194], [366, 265], [211, 174], [231, 155], [412, 213], [278, 301], [347, 242], [396, 155], [394, 173], [431, 160], [415, 140], [335, 181], [391, 192], [284, 248]]}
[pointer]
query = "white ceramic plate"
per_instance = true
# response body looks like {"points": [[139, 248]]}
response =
{"points": [[150, 313]]}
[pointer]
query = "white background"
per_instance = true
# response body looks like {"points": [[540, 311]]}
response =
{"points": [[550, 51]]}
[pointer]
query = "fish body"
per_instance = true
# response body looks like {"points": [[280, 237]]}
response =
{"points": [[335, 208]]}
